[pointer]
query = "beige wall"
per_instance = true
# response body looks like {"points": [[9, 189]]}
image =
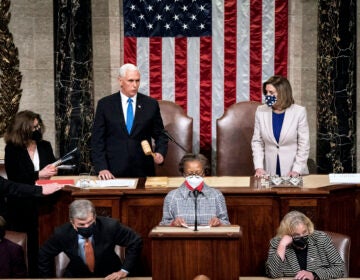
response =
{"points": [[31, 25], [302, 60], [32, 28]]}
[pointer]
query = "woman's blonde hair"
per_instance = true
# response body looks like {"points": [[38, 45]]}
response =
{"points": [[291, 220]]}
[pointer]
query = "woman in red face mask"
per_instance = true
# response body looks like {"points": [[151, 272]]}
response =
{"points": [[179, 205]]}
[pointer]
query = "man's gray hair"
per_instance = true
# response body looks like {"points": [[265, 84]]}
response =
{"points": [[80, 209], [127, 67]]}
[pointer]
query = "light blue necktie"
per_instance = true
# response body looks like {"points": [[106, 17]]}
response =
{"points": [[129, 115]]}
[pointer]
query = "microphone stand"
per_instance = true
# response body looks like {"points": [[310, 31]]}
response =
{"points": [[196, 193], [167, 134]]}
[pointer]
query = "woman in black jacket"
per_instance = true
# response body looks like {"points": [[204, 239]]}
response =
{"points": [[27, 158]]}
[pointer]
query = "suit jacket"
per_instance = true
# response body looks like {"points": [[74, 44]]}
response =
{"points": [[294, 144], [108, 233], [322, 258], [9, 188], [12, 261], [112, 146]]}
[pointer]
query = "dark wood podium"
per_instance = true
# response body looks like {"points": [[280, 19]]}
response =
{"points": [[181, 253]]}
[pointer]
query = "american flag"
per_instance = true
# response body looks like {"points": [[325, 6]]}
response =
{"points": [[206, 55]]}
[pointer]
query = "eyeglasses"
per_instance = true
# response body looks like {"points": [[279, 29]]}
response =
{"points": [[198, 173]]}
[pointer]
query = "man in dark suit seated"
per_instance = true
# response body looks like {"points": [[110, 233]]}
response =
{"points": [[12, 259], [89, 242], [122, 121]]}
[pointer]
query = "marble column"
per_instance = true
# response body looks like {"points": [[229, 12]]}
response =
{"points": [[336, 86], [74, 97]]}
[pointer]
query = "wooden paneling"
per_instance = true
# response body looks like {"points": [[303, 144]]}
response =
{"points": [[257, 211], [195, 253]]}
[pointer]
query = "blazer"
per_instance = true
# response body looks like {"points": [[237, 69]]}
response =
{"points": [[108, 233], [114, 149], [322, 258], [22, 212], [19, 166], [294, 144]]}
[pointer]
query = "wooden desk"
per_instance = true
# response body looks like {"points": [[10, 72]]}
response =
{"points": [[257, 210], [181, 253]]}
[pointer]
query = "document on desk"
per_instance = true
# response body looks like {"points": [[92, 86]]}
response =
{"points": [[104, 184], [116, 183], [193, 227]]}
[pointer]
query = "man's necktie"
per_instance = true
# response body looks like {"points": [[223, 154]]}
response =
{"points": [[129, 115], [89, 255]]}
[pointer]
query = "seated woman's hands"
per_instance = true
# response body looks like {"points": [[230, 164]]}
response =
{"points": [[214, 222], [304, 275], [178, 222]]}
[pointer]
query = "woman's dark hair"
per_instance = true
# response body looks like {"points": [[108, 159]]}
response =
{"points": [[195, 157], [19, 132]]}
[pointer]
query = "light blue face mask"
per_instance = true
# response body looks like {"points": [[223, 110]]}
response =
{"points": [[270, 100]]}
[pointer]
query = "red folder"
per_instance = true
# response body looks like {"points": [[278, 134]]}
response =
{"points": [[59, 181]]}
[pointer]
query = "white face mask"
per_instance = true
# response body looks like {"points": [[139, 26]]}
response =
{"points": [[194, 180]]}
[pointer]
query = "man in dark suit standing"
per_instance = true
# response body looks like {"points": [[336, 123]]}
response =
{"points": [[122, 121], [89, 242]]}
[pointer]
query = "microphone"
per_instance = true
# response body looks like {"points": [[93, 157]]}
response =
{"points": [[172, 139], [196, 193]]}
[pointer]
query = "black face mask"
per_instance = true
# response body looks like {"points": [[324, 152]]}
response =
{"points": [[301, 241], [86, 232], [36, 135]]}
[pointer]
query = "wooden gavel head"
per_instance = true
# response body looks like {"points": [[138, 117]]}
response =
{"points": [[146, 148]]}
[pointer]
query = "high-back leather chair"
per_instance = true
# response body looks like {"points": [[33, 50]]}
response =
{"points": [[19, 238], [62, 261], [180, 127], [342, 244], [234, 131]]}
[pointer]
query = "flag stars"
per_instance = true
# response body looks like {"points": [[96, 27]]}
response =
{"points": [[132, 7], [184, 8], [193, 17], [185, 26], [158, 17], [133, 25], [150, 26], [202, 26], [167, 26], [167, 8], [141, 16], [202, 8], [150, 8], [176, 17]]}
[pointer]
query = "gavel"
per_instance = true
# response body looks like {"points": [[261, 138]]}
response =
{"points": [[147, 149]]}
